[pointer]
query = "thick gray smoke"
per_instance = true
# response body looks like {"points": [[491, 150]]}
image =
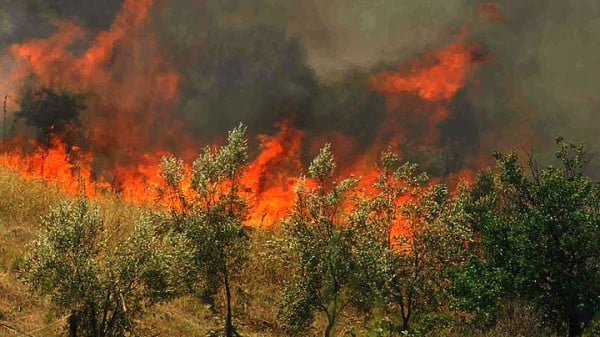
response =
{"points": [[25, 19], [544, 76], [308, 60]]}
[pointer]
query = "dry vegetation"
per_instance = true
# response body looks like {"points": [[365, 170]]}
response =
{"points": [[23, 202]]}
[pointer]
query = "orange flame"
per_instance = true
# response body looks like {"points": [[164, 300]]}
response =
{"points": [[131, 89], [440, 81], [67, 168], [272, 175]]}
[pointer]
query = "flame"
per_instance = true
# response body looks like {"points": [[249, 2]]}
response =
{"points": [[66, 167], [131, 91], [129, 86], [419, 98], [272, 175], [437, 82]]}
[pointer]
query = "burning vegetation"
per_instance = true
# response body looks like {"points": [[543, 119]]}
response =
{"points": [[137, 106], [103, 114]]}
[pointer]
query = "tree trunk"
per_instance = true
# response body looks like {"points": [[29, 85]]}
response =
{"points": [[332, 318], [73, 324], [405, 326], [329, 328], [406, 311], [94, 322], [575, 328], [576, 316], [229, 329]]}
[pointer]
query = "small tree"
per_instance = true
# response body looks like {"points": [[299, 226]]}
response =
{"points": [[409, 236], [320, 235], [210, 218], [102, 288], [539, 230], [52, 113]]}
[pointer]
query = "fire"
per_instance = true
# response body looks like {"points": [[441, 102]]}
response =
{"points": [[133, 13], [139, 184], [37, 54], [128, 85], [272, 175], [419, 98], [131, 91], [438, 82], [67, 168]]}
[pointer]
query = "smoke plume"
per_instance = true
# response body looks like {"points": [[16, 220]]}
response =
{"points": [[446, 82]]}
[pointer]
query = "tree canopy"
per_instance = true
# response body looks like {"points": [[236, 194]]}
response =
{"points": [[538, 233]]}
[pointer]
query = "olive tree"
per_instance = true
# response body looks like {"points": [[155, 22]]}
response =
{"points": [[102, 286], [409, 234], [320, 242], [539, 238], [209, 217]]}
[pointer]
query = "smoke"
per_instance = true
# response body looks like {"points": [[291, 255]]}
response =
{"points": [[540, 82], [307, 61], [310, 61], [341, 34], [26, 19], [543, 80]]}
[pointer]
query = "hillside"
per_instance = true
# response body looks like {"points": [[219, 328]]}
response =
{"points": [[256, 295]]}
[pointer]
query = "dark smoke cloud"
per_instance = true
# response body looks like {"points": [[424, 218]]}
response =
{"points": [[25, 19], [238, 64], [541, 81], [261, 61], [337, 34], [258, 61]]}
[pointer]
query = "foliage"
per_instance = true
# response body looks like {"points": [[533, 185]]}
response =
{"points": [[520, 249], [209, 218], [51, 113], [102, 288], [539, 233], [410, 235], [320, 235]]}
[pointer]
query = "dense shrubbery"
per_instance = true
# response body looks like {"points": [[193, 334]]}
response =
{"points": [[409, 257], [538, 238], [102, 285]]}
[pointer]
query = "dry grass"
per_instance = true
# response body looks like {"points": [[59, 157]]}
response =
{"points": [[21, 205]]}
